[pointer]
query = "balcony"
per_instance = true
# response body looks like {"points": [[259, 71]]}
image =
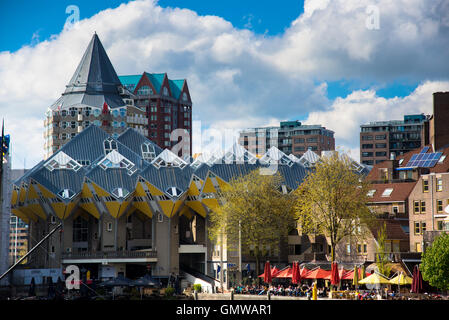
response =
{"points": [[137, 244], [110, 256]]}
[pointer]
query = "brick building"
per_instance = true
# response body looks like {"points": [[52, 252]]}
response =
{"points": [[380, 139], [291, 137], [168, 107]]}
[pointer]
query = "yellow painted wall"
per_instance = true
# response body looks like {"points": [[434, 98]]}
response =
{"points": [[167, 206], [197, 207], [208, 186]]}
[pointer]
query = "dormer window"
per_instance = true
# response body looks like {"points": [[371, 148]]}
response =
{"points": [[109, 145], [115, 160], [62, 161], [165, 91], [144, 91], [148, 152], [371, 193], [173, 191], [184, 96], [66, 193], [120, 193]]}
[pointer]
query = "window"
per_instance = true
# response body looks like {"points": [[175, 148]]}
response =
{"points": [[381, 154], [417, 228], [420, 227], [348, 248], [367, 137], [416, 207], [387, 192], [66, 193], [418, 247], [148, 152], [165, 90], [425, 186], [423, 207], [396, 247], [109, 145], [80, 229], [381, 137], [144, 91], [395, 209], [184, 96], [160, 217], [439, 205], [381, 145], [109, 226], [367, 154], [299, 140], [439, 184], [371, 193]]}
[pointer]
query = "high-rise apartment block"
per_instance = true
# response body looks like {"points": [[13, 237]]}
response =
{"points": [[381, 139], [291, 137], [152, 104]]}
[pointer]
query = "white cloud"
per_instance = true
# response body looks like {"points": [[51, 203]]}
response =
{"points": [[346, 115], [237, 78]]}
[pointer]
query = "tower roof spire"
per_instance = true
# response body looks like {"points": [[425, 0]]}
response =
{"points": [[94, 81]]}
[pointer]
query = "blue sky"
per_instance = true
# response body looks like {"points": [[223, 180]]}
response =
{"points": [[41, 19], [47, 17], [248, 63]]}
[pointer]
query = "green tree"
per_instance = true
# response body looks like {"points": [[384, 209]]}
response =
{"points": [[382, 261], [254, 211], [435, 263], [332, 201]]}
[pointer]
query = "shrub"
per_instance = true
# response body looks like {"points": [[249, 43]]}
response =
{"points": [[169, 291], [197, 287]]}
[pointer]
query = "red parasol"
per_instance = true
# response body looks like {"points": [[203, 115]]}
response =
{"points": [[335, 277], [267, 273], [417, 285], [296, 274]]}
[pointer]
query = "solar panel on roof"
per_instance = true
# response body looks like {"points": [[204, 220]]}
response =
{"points": [[424, 150]]}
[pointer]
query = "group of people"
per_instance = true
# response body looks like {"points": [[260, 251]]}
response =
{"points": [[281, 290]]}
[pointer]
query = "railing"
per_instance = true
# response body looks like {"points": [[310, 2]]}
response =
{"points": [[110, 255]]}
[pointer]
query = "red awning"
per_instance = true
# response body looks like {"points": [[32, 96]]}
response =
{"points": [[318, 273], [284, 273]]}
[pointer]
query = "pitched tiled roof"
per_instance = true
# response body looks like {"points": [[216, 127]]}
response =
{"points": [[394, 229], [405, 158], [400, 192]]}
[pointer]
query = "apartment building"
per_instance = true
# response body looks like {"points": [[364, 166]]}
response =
{"points": [[291, 137], [380, 139]]}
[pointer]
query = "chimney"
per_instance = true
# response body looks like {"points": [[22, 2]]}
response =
{"points": [[439, 130], [392, 156]]}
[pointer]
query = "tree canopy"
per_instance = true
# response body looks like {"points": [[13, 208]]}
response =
{"points": [[435, 263], [255, 209], [332, 201]]}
